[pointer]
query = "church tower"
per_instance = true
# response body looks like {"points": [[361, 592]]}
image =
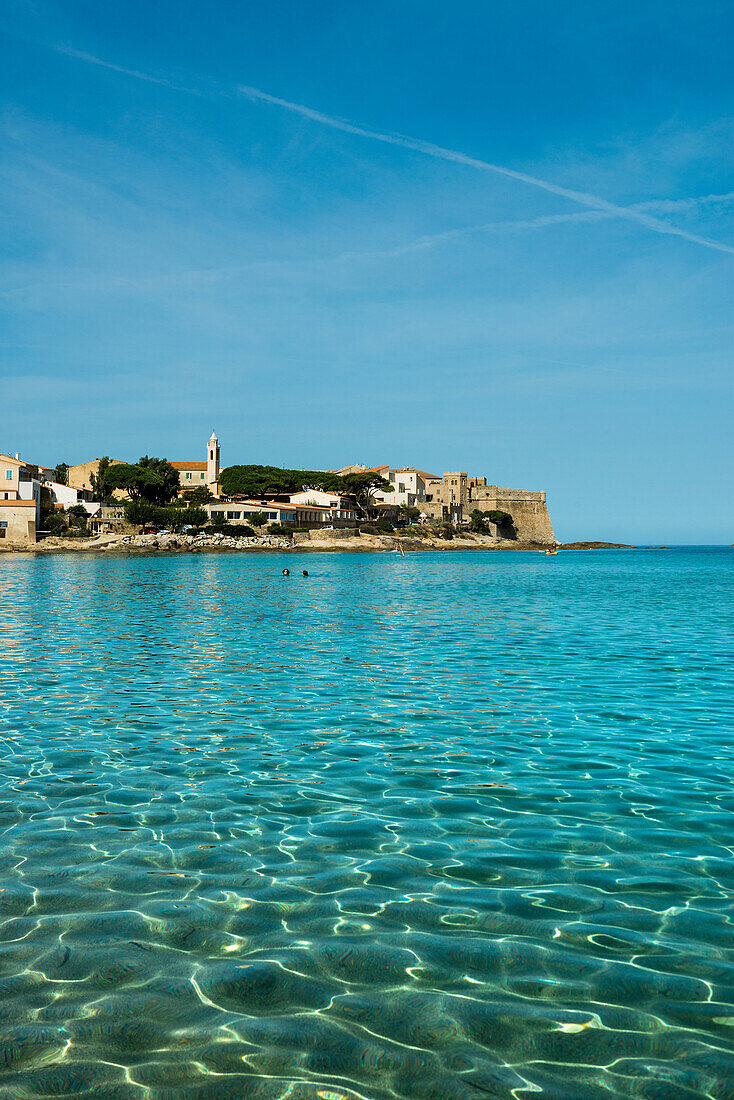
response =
{"points": [[212, 461]]}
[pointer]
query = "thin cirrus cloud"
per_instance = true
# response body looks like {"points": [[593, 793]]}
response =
{"points": [[638, 212], [416, 145]]}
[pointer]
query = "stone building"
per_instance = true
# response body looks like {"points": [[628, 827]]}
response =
{"points": [[20, 499], [79, 476], [456, 495], [18, 522], [195, 474]]}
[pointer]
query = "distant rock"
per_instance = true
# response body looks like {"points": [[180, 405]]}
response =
{"points": [[599, 546]]}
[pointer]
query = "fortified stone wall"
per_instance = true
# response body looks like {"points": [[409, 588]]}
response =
{"points": [[459, 493], [530, 517], [529, 510]]}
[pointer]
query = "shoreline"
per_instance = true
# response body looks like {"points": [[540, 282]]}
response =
{"points": [[126, 545]]}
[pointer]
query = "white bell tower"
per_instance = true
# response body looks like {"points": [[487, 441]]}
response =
{"points": [[212, 460]]}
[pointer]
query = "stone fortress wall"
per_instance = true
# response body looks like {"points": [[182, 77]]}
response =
{"points": [[456, 495]]}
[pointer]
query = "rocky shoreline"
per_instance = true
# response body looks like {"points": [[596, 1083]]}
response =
{"points": [[308, 542]]}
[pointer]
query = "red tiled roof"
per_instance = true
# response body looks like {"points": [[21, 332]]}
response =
{"points": [[189, 465]]}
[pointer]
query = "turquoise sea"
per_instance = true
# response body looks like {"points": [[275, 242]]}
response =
{"points": [[440, 827]]}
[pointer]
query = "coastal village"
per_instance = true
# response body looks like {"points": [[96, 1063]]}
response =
{"points": [[33, 499]]}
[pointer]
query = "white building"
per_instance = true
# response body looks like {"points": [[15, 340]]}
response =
{"points": [[240, 511], [339, 506], [409, 486], [64, 496]]}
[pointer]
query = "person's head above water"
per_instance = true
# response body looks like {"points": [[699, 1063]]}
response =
{"points": [[305, 573], [286, 572]]}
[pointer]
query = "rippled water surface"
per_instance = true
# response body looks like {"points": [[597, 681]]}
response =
{"points": [[448, 826]]}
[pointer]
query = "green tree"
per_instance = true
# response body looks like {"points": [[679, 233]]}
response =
{"points": [[139, 483], [53, 522], [478, 520], [61, 473], [202, 494], [258, 481], [502, 519], [99, 481], [363, 485], [262, 482], [77, 517], [257, 519], [478, 523], [170, 478]]}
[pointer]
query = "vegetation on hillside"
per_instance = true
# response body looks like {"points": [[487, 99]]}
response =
{"points": [[263, 482]]}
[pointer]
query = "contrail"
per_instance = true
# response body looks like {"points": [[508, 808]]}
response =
{"points": [[416, 145], [90, 59], [544, 221], [635, 213]]}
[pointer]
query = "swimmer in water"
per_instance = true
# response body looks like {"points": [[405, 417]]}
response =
{"points": [[286, 572], [305, 573]]}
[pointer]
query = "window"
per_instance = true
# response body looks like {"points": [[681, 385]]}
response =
{"points": [[234, 515], [8, 475], [201, 476], [3, 523], [188, 476]]}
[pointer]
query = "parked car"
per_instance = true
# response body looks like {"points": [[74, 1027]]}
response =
{"points": [[149, 530]]}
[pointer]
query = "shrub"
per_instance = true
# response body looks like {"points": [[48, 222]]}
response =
{"points": [[77, 517], [384, 526], [142, 514], [478, 523], [502, 519], [238, 530], [258, 519], [282, 529], [53, 522], [409, 513]]}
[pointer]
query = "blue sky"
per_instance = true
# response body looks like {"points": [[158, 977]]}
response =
{"points": [[480, 236]]}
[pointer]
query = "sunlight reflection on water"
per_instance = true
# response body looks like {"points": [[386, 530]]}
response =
{"points": [[443, 826]]}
